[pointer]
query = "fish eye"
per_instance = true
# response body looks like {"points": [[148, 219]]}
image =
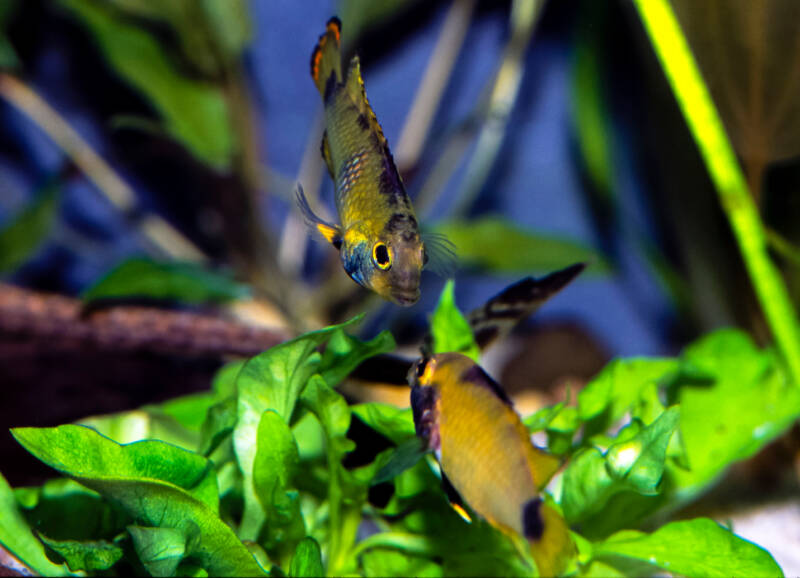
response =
{"points": [[381, 256]]}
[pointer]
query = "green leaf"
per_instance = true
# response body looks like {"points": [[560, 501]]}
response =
{"points": [[344, 353], [388, 420], [400, 459], [273, 470], [346, 492], [698, 547], [634, 463], [271, 380], [307, 560], [62, 509], [138, 425], [159, 549], [219, 423], [744, 402], [497, 245], [20, 238], [639, 461], [381, 562], [194, 112], [542, 419], [450, 330], [17, 538], [617, 387], [157, 484], [87, 556], [183, 282]]}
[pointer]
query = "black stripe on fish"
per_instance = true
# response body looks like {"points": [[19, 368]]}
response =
{"points": [[476, 375], [363, 122], [532, 521], [486, 335], [404, 223], [423, 406], [330, 88]]}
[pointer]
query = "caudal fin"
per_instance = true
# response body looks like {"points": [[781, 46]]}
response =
{"points": [[326, 61], [547, 532]]}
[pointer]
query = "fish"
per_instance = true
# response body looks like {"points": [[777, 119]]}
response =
{"points": [[378, 236], [486, 456]]}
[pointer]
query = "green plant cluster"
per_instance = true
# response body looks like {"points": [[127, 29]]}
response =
{"points": [[254, 477]]}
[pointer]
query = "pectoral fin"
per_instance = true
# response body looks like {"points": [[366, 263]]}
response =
{"points": [[331, 233]]}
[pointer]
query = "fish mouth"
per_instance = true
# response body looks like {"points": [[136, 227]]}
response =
{"points": [[405, 298]]}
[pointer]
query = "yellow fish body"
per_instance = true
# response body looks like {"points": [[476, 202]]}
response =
{"points": [[378, 236], [485, 453]]}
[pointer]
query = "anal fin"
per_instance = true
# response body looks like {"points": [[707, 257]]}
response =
{"points": [[456, 502], [331, 233]]}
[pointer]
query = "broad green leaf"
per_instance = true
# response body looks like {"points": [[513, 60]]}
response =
{"points": [[219, 423], [542, 419], [500, 246], [400, 459], [139, 424], [639, 461], [84, 454], [634, 463], [307, 560], [393, 422], [159, 549], [274, 467], [87, 556], [561, 430], [380, 562], [183, 282], [450, 329], [271, 380], [17, 538], [62, 509], [194, 112], [745, 402], [612, 392], [698, 547], [157, 484], [20, 238], [344, 353]]}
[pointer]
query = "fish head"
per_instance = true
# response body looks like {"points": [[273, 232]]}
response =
{"points": [[430, 370], [388, 264]]}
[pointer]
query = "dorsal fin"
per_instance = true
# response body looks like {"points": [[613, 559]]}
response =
{"points": [[358, 94]]}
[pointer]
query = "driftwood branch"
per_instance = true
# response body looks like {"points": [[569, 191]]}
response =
{"points": [[59, 323]]}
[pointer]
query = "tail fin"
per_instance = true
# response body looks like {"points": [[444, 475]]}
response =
{"points": [[548, 535], [326, 62]]}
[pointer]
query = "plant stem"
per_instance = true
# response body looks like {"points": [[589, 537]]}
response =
{"points": [[706, 127]]}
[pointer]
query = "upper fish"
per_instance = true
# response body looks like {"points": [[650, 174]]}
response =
{"points": [[378, 235]]}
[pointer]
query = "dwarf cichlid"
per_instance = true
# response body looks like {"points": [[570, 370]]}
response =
{"points": [[378, 235], [486, 455]]}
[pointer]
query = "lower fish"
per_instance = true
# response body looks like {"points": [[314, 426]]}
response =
{"points": [[486, 455], [378, 236]]}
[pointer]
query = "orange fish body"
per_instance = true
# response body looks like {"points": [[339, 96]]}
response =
{"points": [[485, 452]]}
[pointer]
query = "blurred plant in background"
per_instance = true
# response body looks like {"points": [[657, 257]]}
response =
{"points": [[148, 154]]}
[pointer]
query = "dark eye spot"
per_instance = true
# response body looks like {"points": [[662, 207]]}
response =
{"points": [[380, 254]]}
